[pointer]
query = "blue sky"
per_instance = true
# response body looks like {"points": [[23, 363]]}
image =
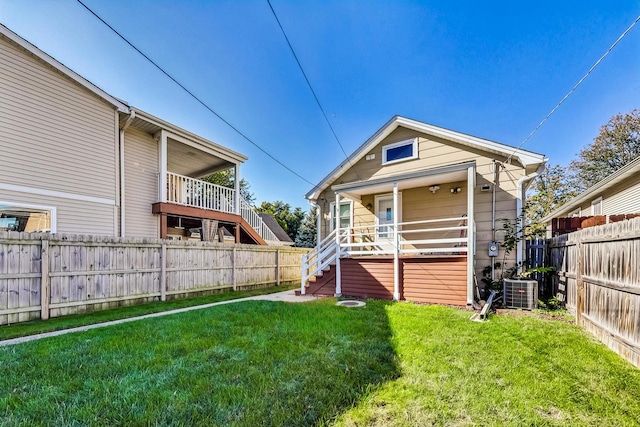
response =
{"points": [[492, 69]]}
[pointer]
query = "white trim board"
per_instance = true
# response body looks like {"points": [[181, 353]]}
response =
{"points": [[60, 194]]}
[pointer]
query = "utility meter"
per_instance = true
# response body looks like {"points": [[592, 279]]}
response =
{"points": [[493, 248]]}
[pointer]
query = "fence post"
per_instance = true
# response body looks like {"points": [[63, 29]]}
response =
{"points": [[277, 267], [579, 282], [163, 273], [45, 282], [234, 272]]}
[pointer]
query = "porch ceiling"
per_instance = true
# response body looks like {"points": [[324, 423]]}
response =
{"points": [[189, 161], [436, 176]]}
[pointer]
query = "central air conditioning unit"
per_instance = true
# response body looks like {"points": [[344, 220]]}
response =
{"points": [[521, 294]]}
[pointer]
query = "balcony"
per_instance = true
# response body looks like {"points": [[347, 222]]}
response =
{"points": [[215, 202]]}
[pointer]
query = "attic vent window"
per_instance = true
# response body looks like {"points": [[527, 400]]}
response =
{"points": [[400, 151]]}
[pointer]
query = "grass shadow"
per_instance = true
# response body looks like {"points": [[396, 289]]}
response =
{"points": [[248, 364]]}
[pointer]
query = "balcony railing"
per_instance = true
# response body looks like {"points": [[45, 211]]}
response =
{"points": [[187, 191]]}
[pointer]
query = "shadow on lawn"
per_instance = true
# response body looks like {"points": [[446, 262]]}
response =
{"points": [[249, 364], [331, 357]]}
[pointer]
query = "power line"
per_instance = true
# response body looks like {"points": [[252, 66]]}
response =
{"points": [[313, 92], [194, 96], [593, 67]]}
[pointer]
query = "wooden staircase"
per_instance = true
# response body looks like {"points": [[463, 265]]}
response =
{"points": [[322, 284]]}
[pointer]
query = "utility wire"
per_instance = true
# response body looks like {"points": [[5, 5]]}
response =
{"points": [[593, 67], [313, 92], [195, 97]]}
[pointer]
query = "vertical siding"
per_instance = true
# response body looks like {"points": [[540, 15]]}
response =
{"points": [[55, 134], [141, 184]]}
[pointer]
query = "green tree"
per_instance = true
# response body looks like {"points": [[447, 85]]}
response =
{"points": [[225, 179], [290, 220], [616, 145], [307, 233], [549, 190]]}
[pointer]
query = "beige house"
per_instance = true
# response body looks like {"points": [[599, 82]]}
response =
{"points": [[617, 195], [418, 206], [78, 160]]}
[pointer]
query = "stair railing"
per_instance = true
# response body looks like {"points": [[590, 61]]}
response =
{"points": [[319, 258]]}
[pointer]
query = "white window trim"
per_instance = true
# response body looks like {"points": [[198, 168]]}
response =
{"points": [[332, 212], [51, 209], [595, 202], [385, 148]]}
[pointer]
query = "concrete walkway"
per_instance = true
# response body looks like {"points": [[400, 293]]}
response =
{"points": [[285, 296]]}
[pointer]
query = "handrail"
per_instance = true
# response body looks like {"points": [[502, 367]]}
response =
{"points": [[184, 190], [319, 258], [187, 191]]}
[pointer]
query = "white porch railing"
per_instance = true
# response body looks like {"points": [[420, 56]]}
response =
{"points": [[187, 191], [446, 236], [257, 223], [319, 258]]}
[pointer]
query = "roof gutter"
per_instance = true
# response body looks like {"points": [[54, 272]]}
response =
{"points": [[520, 190], [123, 128]]}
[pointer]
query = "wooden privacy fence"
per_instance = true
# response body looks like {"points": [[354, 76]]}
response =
{"points": [[44, 275], [598, 276]]}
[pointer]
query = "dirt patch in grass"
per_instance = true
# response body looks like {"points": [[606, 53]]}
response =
{"points": [[559, 315]]}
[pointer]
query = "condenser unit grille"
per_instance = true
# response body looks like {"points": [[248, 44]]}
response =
{"points": [[521, 294]]}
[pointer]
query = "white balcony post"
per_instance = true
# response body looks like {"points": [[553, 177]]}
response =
{"points": [[236, 186], [162, 166], [337, 219], [471, 185], [396, 240]]}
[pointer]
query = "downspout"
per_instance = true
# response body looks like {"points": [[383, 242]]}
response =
{"points": [[520, 188], [132, 115], [315, 205]]}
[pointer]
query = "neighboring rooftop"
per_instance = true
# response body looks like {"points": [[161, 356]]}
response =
{"points": [[279, 232]]}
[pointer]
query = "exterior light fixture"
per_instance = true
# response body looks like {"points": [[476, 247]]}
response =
{"points": [[434, 188], [456, 190]]}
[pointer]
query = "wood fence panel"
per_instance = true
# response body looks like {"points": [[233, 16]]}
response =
{"points": [[605, 260], [88, 273]]}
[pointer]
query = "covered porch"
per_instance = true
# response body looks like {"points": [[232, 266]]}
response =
{"points": [[186, 205], [410, 236]]}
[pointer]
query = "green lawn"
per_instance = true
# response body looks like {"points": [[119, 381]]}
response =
{"points": [[72, 321], [264, 363]]}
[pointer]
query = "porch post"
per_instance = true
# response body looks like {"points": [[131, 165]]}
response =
{"points": [[162, 166], [471, 232], [396, 243], [337, 219], [236, 186]]}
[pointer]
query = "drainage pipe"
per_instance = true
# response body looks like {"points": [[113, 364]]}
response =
{"points": [[132, 115]]}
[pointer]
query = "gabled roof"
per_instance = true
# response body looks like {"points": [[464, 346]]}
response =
{"points": [[630, 169], [273, 225], [526, 158], [62, 69]]}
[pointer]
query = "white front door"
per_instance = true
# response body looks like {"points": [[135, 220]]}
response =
{"points": [[384, 217]]}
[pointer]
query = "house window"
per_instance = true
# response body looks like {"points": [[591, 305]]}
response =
{"points": [[596, 206], [400, 151], [27, 218], [345, 215]]}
